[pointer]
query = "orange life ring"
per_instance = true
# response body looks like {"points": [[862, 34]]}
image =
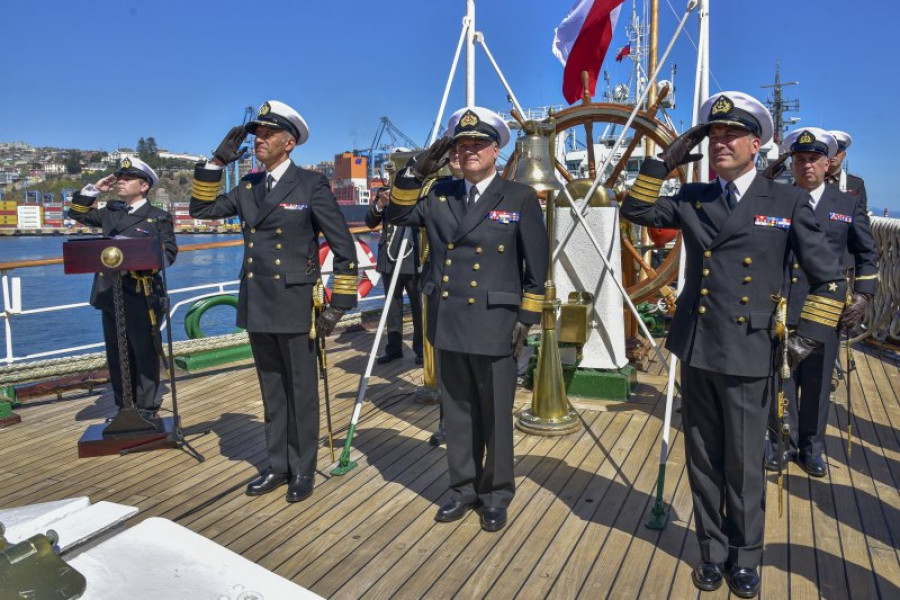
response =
{"points": [[363, 252]]}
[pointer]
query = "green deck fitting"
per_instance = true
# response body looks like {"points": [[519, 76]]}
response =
{"points": [[8, 395], [597, 384], [213, 358], [5, 409]]}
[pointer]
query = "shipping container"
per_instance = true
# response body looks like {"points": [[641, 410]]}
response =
{"points": [[350, 166]]}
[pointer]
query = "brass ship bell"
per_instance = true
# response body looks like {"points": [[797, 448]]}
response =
{"points": [[550, 413], [535, 166]]}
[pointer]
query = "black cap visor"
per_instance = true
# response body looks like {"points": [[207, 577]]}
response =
{"points": [[134, 173], [738, 118], [274, 121]]}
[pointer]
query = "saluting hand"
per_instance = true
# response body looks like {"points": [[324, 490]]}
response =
{"points": [[430, 161], [678, 152], [777, 167], [105, 184], [230, 149]]}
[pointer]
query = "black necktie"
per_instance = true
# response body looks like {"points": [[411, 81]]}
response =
{"points": [[730, 198], [473, 192], [270, 183]]}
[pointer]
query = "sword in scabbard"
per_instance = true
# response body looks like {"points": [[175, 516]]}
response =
{"points": [[851, 366], [145, 285], [318, 306], [784, 372]]}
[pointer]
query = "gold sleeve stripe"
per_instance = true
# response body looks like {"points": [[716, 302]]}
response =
{"points": [[839, 304], [643, 177], [643, 197], [818, 313], [866, 277], [827, 322], [404, 197], [205, 187], [647, 187], [345, 284], [204, 196], [79, 208], [532, 302], [824, 308], [209, 184]]}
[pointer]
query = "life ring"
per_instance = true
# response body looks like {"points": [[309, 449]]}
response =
{"points": [[363, 255], [195, 313]]}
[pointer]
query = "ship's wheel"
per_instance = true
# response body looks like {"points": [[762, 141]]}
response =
{"points": [[586, 121]]}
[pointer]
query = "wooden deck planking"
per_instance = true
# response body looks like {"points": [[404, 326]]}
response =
{"points": [[576, 526]]}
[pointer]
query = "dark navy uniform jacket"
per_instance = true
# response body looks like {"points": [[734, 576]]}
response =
{"points": [[146, 221], [391, 234], [856, 187], [488, 264], [281, 247], [735, 264], [845, 222]]}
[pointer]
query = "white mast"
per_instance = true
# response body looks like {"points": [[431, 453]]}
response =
{"points": [[701, 82], [470, 53]]}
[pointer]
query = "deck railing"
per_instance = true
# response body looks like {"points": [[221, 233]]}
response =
{"points": [[186, 296]]}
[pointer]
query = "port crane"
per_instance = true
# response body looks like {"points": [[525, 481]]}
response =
{"points": [[378, 150]]}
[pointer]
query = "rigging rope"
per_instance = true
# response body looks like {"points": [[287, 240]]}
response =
{"points": [[882, 315]]}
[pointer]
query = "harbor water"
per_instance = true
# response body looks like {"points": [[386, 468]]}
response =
{"points": [[49, 286]]}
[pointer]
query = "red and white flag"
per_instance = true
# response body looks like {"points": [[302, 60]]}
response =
{"points": [[581, 41], [623, 52]]}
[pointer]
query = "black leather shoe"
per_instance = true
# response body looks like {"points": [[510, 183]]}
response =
{"points": [[300, 488], [813, 464], [386, 358], [452, 511], [419, 360], [265, 483], [771, 461], [707, 576], [743, 582], [493, 518]]}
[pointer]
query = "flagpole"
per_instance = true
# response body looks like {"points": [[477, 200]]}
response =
{"points": [[470, 53], [659, 514]]}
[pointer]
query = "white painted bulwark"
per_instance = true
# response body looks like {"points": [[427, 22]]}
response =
{"points": [[158, 559], [580, 268], [74, 520]]}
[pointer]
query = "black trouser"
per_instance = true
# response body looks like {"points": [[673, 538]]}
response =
{"points": [[477, 395], [724, 419], [410, 283], [809, 397], [143, 358], [288, 378]]}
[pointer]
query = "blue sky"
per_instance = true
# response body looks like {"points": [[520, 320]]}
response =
{"points": [[102, 74]]}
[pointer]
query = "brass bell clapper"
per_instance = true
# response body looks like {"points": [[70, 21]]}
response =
{"points": [[550, 413]]}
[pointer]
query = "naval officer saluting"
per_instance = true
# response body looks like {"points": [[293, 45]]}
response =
{"points": [[844, 220], [488, 265], [134, 217], [282, 212], [738, 233]]}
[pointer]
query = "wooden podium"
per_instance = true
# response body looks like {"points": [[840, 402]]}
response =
{"points": [[129, 431]]}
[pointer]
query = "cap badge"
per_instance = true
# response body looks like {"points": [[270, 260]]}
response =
{"points": [[806, 138], [264, 109], [469, 119], [126, 163], [722, 106]]}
